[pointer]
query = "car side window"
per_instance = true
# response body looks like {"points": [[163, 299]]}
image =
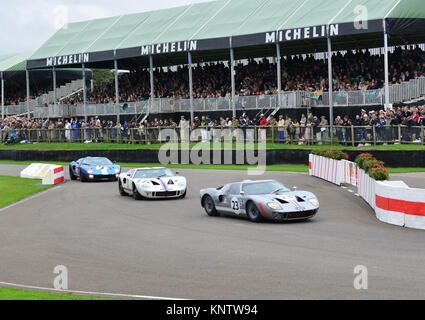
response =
{"points": [[235, 189]]}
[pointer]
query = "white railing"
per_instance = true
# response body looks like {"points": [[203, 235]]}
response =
{"points": [[406, 91]]}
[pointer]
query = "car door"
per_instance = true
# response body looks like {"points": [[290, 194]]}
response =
{"points": [[128, 179], [234, 199]]}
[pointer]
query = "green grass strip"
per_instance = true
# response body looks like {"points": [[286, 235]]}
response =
{"points": [[19, 294], [13, 189]]}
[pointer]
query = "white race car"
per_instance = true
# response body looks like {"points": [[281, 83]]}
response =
{"points": [[152, 183]]}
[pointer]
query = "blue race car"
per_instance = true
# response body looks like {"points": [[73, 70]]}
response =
{"points": [[94, 169]]}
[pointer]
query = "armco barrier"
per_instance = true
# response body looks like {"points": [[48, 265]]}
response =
{"points": [[325, 168], [393, 201], [49, 174]]}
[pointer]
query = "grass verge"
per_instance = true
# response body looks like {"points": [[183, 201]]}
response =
{"points": [[278, 168], [13, 189], [19, 294]]}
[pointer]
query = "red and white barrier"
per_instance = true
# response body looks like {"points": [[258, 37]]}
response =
{"points": [[350, 171], [326, 169], [366, 187], [49, 174], [400, 205], [393, 201]]}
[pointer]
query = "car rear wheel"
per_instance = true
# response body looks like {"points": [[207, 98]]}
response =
{"points": [[136, 194], [254, 213], [121, 189], [72, 175], [209, 206]]}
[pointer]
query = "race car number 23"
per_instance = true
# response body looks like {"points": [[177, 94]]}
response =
{"points": [[236, 207]]}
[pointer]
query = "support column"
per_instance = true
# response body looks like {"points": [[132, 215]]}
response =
{"points": [[232, 71], [84, 92], [55, 98], [151, 81], [27, 76], [386, 68], [279, 74], [117, 91], [330, 75], [192, 112], [2, 96]]}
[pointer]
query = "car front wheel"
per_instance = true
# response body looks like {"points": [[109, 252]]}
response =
{"points": [[209, 206], [72, 175], [121, 189], [136, 194], [254, 213]]}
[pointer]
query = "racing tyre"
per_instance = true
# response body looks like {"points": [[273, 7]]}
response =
{"points": [[72, 175], [136, 194], [121, 189], [209, 206], [183, 195], [253, 213], [82, 178]]}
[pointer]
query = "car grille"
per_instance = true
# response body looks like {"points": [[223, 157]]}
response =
{"points": [[166, 194], [294, 215]]}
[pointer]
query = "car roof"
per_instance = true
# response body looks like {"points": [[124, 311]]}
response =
{"points": [[257, 181]]}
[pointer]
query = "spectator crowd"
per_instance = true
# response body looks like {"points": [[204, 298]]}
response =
{"points": [[352, 71], [402, 125]]}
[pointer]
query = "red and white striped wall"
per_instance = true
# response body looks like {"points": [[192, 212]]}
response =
{"points": [[49, 174], [400, 205], [326, 169], [393, 201]]}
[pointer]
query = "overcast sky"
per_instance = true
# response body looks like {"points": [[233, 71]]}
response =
{"points": [[26, 24]]}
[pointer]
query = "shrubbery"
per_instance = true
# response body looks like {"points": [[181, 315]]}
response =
{"points": [[373, 167], [333, 154]]}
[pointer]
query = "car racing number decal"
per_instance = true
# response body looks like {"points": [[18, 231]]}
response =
{"points": [[236, 206]]}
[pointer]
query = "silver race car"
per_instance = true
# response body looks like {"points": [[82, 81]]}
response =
{"points": [[260, 200], [152, 183]]}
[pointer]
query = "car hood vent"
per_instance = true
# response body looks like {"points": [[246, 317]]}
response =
{"points": [[155, 183], [282, 201]]}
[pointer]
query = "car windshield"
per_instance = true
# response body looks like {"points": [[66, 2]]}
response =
{"points": [[264, 188], [153, 173], [97, 162]]}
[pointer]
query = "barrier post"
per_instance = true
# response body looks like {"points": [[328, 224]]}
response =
{"points": [[352, 136], [423, 134], [374, 135], [399, 133]]}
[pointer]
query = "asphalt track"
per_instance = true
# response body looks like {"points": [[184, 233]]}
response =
{"points": [[173, 249]]}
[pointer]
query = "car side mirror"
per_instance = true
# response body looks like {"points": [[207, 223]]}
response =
{"points": [[242, 193], [294, 188], [177, 173], [128, 175]]}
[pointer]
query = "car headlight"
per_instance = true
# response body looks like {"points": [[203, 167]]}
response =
{"points": [[90, 171], [182, 184], [117, 170], [274, 206], [314, 202]]}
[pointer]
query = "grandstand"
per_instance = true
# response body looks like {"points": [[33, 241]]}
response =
{"points": [[231, 31]]}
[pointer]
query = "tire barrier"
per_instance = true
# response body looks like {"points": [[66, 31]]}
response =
{"points": [[393, 201], [49, 174]]}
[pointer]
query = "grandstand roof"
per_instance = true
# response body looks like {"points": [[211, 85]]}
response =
{"points": [[14, 62], [222, 24]]}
